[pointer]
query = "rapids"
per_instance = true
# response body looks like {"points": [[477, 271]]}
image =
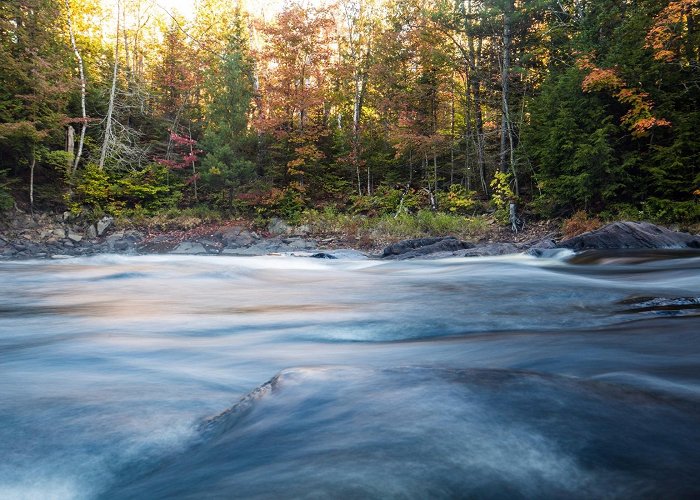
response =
{"points": [[288, 377]]}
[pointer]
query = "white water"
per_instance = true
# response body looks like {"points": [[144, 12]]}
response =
{"points": [[493, 377]]}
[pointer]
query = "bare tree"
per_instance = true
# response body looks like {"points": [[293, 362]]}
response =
{"points": [[506, 154], [358, 15], [109, 135], [83, 85]]}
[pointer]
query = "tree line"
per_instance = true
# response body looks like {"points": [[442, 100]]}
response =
{"points": [[360, 105]]}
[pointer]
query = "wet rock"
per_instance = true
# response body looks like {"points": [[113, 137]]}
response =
{"points": [[91, 232], [631, 235], [409, 249], [543, 248], [121, 246], [491, 250], [323, 255], [263, 247]]}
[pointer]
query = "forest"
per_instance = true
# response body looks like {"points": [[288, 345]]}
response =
{"points": [[370, 107]]}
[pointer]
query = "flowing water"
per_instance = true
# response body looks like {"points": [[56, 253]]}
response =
{"points": [[283, 377]]}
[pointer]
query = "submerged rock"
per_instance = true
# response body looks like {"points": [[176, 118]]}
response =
{"points": [[631, 235]]}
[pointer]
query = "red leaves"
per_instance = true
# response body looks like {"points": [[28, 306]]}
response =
{"points": [[184, 148], [181, 139]]}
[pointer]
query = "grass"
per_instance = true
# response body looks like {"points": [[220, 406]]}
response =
{"points": [[170, 220], [375, 231]]}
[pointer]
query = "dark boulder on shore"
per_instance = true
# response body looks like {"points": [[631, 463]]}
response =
{"points": [[409, 249], [621, 235]]}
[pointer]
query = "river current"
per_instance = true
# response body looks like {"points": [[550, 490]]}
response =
{"points": [[287, 377]]}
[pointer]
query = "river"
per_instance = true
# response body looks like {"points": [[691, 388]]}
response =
{"points": [[287, 377]]}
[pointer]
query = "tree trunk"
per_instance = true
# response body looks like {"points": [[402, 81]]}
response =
{"points": [[194, 168], [112, 93], [70, 147], [83, 85], [360, 85], [475, 84], [31, 183], [506, 154]]}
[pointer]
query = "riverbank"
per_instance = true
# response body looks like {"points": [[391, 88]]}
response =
{"points": [[56, 236], [47, 235]]}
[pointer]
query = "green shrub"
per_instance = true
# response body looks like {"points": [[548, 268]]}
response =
{"points": [[287, 203], [656, 210], [92, 190], [6, 199], [458, 200], [145, 190], [501, 195], [388, 201]]}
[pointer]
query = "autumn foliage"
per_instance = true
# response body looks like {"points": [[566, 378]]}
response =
{"points": [[639, 119]]}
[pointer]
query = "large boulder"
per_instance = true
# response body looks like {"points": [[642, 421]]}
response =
{"points": [[409, 249], [630, 235], [236, 237]]}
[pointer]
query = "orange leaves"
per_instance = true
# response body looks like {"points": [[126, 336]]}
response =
{"points": [[641, 126], [665, 37], [601, 79], [639, 119]]}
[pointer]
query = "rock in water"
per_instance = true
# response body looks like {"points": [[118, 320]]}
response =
{"points": [[491, 250], [409, 249], [323, 255], [631, 235]]}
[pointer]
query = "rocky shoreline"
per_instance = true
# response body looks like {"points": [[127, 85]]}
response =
{"points": [[56, 237]]}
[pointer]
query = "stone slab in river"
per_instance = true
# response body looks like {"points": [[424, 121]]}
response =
{"points": [[409, 249], [631, 235]]}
